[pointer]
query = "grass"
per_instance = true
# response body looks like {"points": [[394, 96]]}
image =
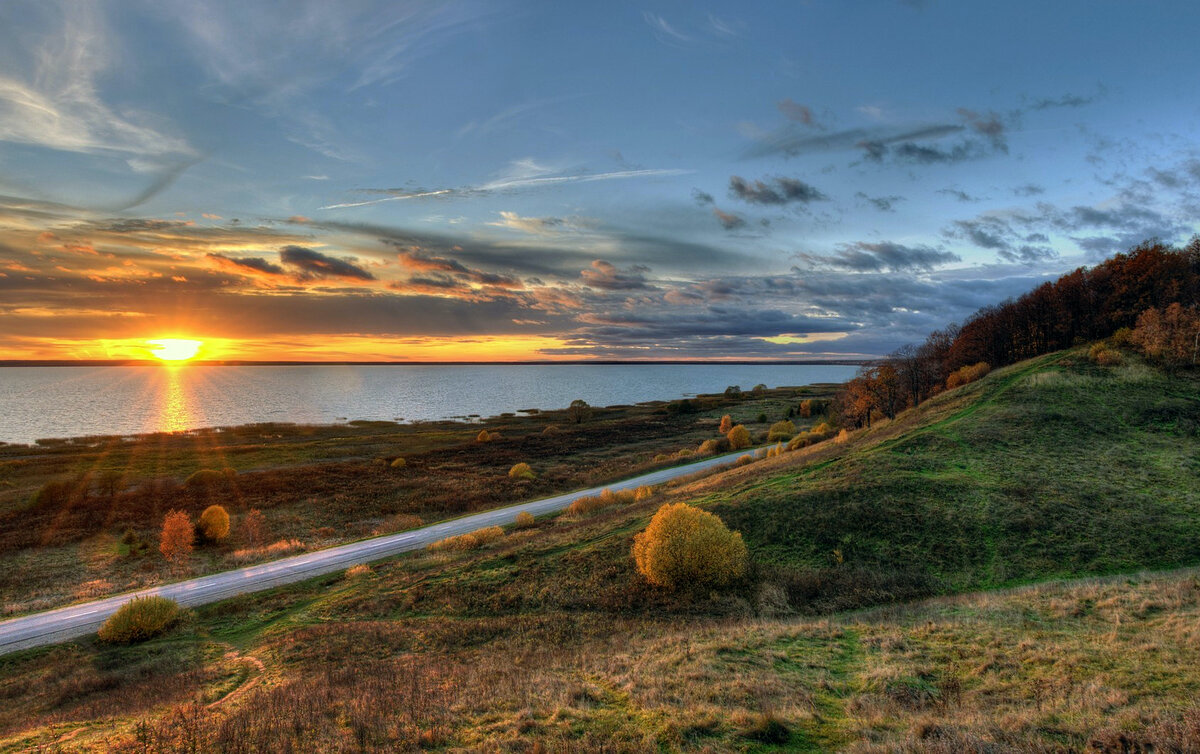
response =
{"points": [[1033, 482]]}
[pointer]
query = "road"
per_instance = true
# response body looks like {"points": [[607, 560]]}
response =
{"points": [[80, 620]]}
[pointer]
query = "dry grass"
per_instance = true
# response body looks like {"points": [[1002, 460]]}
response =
{"points": [[471, 541], [269, 552]]}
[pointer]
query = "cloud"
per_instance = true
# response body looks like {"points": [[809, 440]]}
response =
{"points": [[244, 264], [1028, 189], [777, 191], [518, 182], [536, 225], [663, 30], [605, 275], [792, 141], [796, 112], [882, 203], [315, 264], [1065, 100], [958, 194], [702, 197], [728, 220], [863, 256], [987, 125]]}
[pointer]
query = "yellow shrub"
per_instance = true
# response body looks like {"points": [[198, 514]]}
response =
{"points": [[471, 541], [1105, 356], [775, 450], [139, 619], [606, 499], [483, 436], [963, 375], [743, 460], [709, 447], [525, 520], [739, 437], [686, 545], [806, 408], [822, 429], [783, 430], [214, 523], [843, 436], [643, 493], [521, 471], [399, 463]]}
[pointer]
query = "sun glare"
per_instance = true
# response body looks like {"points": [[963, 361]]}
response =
{"points": [[174, 349]]}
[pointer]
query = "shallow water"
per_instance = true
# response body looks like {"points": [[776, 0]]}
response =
{"points": [[45, 402]]}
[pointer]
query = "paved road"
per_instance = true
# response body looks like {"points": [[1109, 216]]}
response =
{"points": [[80, 620]]}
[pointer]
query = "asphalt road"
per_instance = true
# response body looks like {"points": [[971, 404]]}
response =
{"points": [[80, 620]]}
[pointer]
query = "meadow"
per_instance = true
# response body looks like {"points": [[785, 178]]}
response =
{"points": [[858, 626]]}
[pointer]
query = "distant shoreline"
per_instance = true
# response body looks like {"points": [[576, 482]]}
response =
{"points": [[606, 362]]}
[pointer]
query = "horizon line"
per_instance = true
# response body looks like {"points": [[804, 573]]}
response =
{"points": [[571, 362]]}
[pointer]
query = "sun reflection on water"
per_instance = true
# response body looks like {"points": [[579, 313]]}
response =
{"points": [[174, 414]]}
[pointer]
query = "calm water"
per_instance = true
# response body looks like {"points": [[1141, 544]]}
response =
{"points": [[43, 402]]}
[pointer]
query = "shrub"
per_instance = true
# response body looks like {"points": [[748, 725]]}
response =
{"points": [[775, 450], [842, 436], [398, 463], [726, 424], [472, 541], [806, 408], [525, 520], [214, 524], [761, 419], [1104, 356], [177, 538], [551, 429], [521, 471], [606, 499], [733, 391], [824, 428], [743, 460], [686, 545], [579, 411], [783, 430], [708, 447], [274, 550], [645, 492], [483, 436], [52, 493], [963, 375], [139, 619], [739, 437], [684, 453], [205, 478], [358, 571], [254, 527]]}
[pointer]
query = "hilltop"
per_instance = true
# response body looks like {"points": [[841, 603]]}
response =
{"points": [[1053, 468]]}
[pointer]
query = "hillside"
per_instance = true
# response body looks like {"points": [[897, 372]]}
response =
{"points": [[548, 639]]}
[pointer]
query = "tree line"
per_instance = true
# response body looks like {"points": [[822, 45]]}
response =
{"points": [[1149, 295]]}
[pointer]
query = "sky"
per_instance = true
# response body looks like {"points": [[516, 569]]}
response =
{"points": [[417, 181]]}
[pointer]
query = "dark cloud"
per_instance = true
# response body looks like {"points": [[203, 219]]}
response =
{"points": [[702, 197], [796, 112], [790, 141], [253, 264], [987, 125], [863, 256], [923, 154], [958, 194], [315, 264], [1066, 100], [773, 191], [1028, 189], [606, 276], [882, 203], [728, 220]]}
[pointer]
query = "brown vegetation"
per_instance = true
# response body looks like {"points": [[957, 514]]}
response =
{"points": [[178, 537]]}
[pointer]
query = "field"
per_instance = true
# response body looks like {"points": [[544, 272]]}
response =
{"points": [[79, 519], [1067, 490]]}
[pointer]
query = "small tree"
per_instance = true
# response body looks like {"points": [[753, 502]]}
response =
{"points": [[686, 545], [254, 527], [739, 437], [806, 407], [726, 424], [579, 411], [214, 523], [783, 430], [177, 538], [525, 520]]}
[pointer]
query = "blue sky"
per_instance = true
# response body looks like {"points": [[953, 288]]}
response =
{"points": [[411, 180]]}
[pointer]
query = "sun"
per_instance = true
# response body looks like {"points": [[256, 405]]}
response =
{"points": [[174, 349]]}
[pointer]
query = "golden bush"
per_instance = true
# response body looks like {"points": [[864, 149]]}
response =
{"points": [[521, 471], [726, 424], [525, 520], [645, 492], [739, 437], [686, 545], [214, 523], [398, 463], [139, 619], [782, 430], [483, 436], [709, 447]]}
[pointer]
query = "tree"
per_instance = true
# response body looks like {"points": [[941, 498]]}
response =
{"points": [[214, 524], [177, 538], [579, 411], [726, 424], [739, 437], [254, 527], [686, 545], [733, 391]]}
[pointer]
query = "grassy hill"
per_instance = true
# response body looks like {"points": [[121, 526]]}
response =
{"points": [[548, 639]]}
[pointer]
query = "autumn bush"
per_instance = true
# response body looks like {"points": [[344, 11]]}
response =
{"points": [[806, 407], [205, 478], [398, 463], [470, 541], [521, 471], [178, 537], [739, 437], [525, 520], [709, 447], [139, 619], [269, 552], [606, 499], [1104, 356], [726, 424], [686, 545], [963, 375], [781, 430], [254, 527], [743, 460], [645, 492], [1169, 336], [214, 524], [483, 436]]}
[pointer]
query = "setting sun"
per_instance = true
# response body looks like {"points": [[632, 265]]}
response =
{"points": [[174, 349]]}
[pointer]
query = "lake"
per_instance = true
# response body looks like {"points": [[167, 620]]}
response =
{"points": [[55, 402]]}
